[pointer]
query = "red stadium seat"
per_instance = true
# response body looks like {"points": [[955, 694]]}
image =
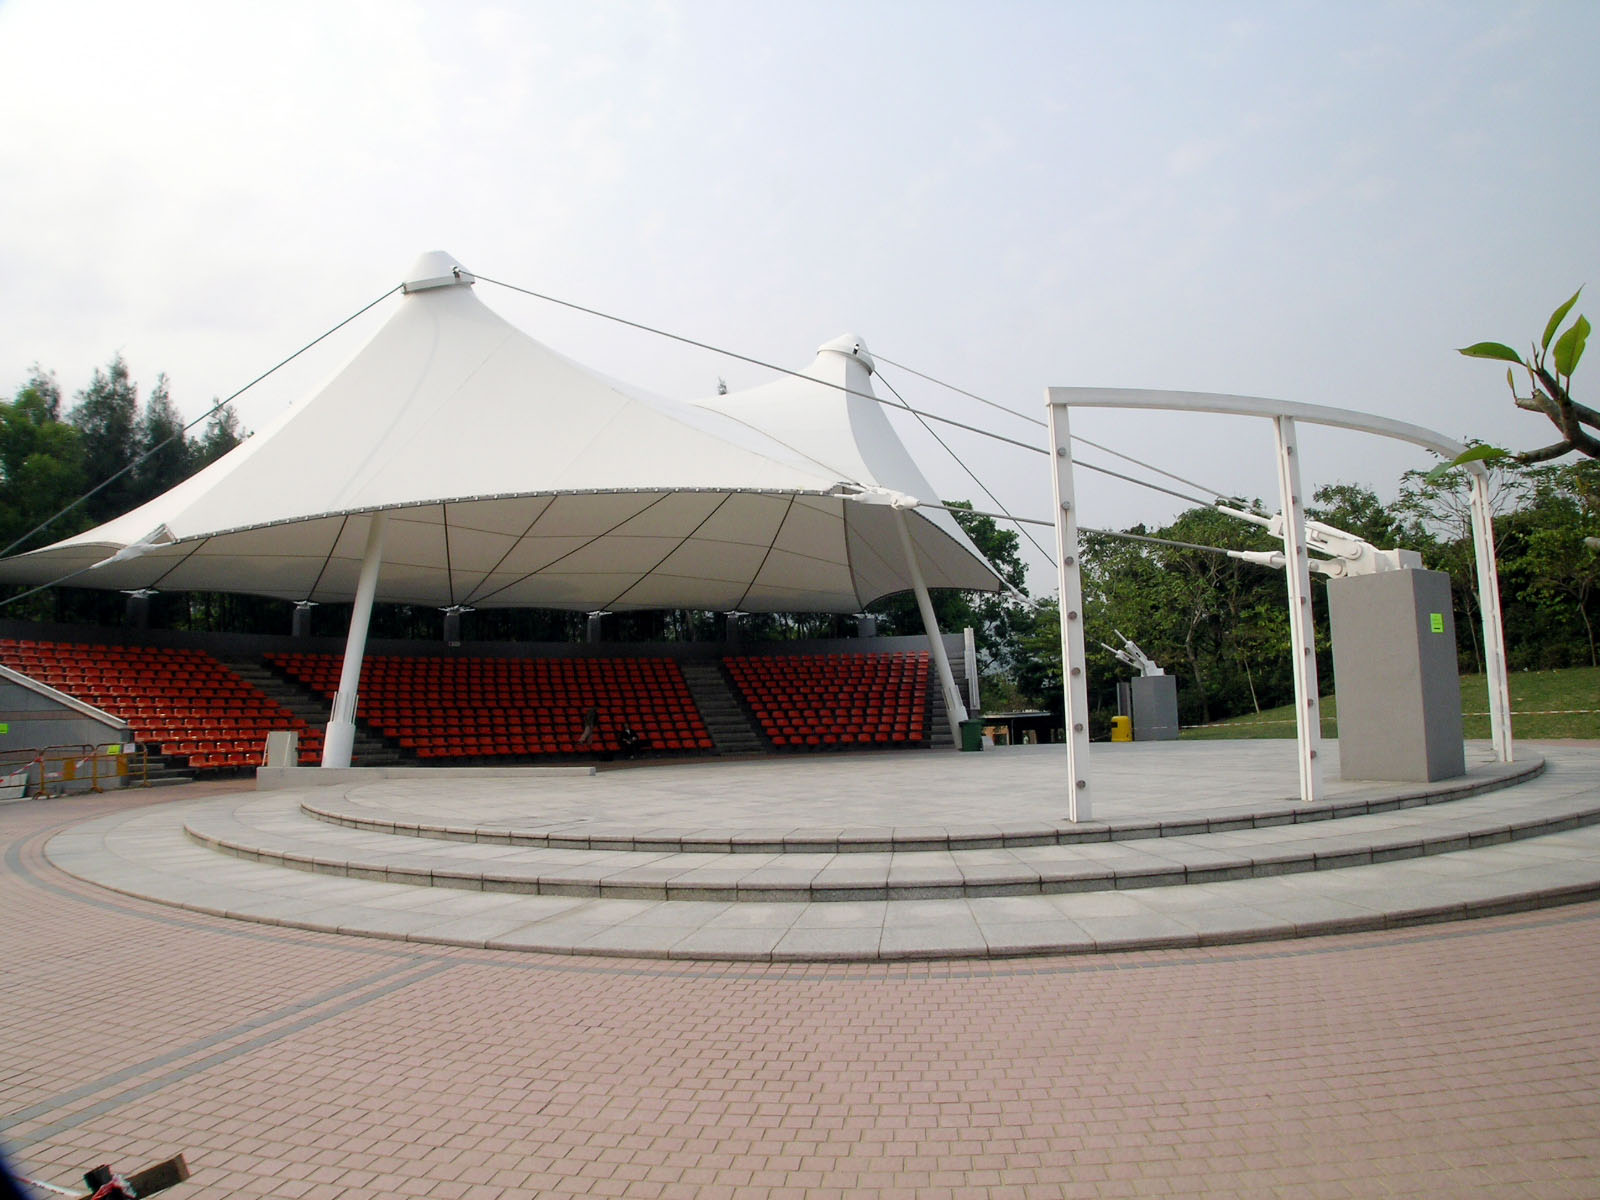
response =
{"points": [[836, 699]]}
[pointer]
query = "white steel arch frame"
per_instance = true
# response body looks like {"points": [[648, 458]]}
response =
{"points": [[1283, 414]]}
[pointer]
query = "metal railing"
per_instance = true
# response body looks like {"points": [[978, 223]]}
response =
{"points": [[49, 771]]}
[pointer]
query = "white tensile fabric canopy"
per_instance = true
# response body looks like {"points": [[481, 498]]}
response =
{"points": [[514, 477], [835, 422]]}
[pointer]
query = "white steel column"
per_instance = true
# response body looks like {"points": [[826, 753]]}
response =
{"points": [[341, 733], [1302, 635], [1074, 683], [969, 657], [1494, 635], [956, 710]]}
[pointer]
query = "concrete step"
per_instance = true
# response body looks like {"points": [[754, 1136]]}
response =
{"points": [[369, 748], [732, 729], [1231, 868], [284, 831]]}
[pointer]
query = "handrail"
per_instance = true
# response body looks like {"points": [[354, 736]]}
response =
{"points": [[65, 763]]}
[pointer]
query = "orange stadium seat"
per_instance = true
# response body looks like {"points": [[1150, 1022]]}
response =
{"points": [[180, 702], [821, 701], [471, 708]]}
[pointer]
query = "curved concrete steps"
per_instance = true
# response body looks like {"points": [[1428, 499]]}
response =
{"points": [[1372, 859], [283, 833]]}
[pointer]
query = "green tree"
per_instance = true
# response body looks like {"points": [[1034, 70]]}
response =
{"points": [[1216, 622], [1562, 569], [1434, 512], [45, 390], [998, 619], [106, 416], [1357, 509], [165, 457], [1037, 676], [41, 460], [222, 433]]}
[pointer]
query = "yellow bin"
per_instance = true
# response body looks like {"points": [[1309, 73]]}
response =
{"points": [[1122, 729]]}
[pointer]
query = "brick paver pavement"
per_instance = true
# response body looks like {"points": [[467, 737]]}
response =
{"points": [[1448, 1060]]}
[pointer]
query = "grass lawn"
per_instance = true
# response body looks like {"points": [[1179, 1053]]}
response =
{"points": [[1544, 704]]}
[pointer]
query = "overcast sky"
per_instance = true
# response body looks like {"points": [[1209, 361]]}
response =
{"points": [[1314, 202]]}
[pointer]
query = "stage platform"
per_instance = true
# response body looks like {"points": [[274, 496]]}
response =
{"points": [[868, 856]]}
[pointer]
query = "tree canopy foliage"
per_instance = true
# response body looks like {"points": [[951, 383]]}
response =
{"points": [[110, 453], [1220, 625]]}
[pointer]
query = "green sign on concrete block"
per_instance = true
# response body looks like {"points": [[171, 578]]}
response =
{"points": [[1436, 622], [5, 726]]}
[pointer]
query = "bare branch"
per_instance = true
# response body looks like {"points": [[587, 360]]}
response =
{"points": [[1545, 454]]}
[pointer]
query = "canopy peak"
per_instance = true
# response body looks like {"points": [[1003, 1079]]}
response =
{"points": [[850, 346], [436, 269]]}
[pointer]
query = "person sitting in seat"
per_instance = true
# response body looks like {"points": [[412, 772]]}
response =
{"points": [[591, 725], [630, 742]]}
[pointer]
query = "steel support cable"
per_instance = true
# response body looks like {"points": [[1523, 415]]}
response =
{"points": [[755, 362], [1158, 541], [970, 472], [839, 387], [44, 587], [161, 445], [963, 392], [1139, 462], [220, 404], [1144, 537], [1111, 533], [918, 413], [1036, 601]]}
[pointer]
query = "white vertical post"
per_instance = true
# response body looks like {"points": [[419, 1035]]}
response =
{"points": [[953, 707], [969, 657], [1494, 635], [1074, 682], [341, 734], [1302, 635]]}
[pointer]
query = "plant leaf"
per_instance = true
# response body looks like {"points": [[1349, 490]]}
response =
{"points": [[1479, 454], [1476, 454], [1491, 350], [1557, 317], [1569, 347]]}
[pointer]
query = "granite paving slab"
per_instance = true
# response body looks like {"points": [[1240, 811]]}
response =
{"points": [[149, 852], [850, 803], [271, 827]]}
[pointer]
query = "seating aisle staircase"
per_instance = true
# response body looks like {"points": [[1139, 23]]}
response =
{"points": [[726, 720], [369, 749]]}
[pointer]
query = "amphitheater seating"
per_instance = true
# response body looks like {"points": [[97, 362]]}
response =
{"points": [[183, 701], [813, 701], [461, 707]]}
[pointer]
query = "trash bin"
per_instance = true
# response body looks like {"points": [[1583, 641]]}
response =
{"points": [[972, 735], [1122, 729]]}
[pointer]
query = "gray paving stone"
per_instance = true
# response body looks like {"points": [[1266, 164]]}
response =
{"points": [[1058, 936], [820, 943], [669, 823], [754, 942], [1142, 931], [934, 940]]}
